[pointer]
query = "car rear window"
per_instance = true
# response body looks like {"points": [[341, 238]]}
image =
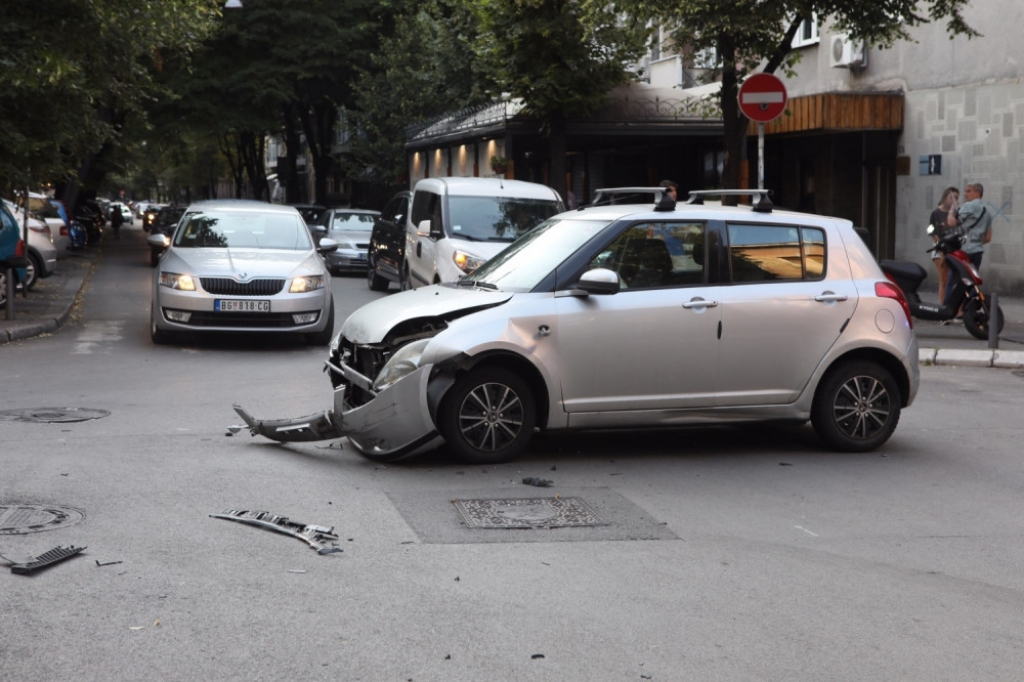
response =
{"points": [[770, 253]]}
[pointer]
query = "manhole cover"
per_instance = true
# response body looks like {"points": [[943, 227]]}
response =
{"points": [[538, 512], [18, 519], [52, 414]]}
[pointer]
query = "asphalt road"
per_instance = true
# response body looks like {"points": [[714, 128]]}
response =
{"points": [[727, 554]]}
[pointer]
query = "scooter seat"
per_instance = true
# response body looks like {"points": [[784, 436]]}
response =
{"points": [[909, 271]]}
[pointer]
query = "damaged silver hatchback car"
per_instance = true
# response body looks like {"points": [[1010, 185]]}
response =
{"points": [[628, 316]]}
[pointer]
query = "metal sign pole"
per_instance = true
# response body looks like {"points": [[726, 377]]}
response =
{"points": [[760, 155]]}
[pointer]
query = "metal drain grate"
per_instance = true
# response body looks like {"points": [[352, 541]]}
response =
{"points": [[19, 519], [536, 512], [52, 414]]}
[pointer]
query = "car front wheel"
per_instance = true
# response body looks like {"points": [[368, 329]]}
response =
{"points": [[488, 416], [373, 280], [857, 407]]}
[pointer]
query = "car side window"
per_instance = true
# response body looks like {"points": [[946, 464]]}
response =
{"points": [[771, 253], [656, 254], [423, 206]]}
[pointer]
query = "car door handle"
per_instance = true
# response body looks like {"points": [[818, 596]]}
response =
{"points": [[829, 297], [700, 303]]}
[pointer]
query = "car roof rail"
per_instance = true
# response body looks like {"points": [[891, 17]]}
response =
{"points": [[761, 201], [607, 193]]}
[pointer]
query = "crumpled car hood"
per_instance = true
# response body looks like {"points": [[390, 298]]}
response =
{"points": [[242, 263], [372, 322]]}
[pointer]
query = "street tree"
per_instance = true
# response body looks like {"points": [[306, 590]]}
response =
{"points": [[426, 66], [561, 61], [757, 35], [74, 72]]}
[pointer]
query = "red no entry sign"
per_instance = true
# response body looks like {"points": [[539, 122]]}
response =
{"points": [[762, 98]]}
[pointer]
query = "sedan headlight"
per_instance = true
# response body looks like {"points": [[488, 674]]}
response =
{"points": [[402, 364], [467, 262], [173, 280], [302, 285]]}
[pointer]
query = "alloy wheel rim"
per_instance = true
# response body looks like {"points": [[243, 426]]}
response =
{"points": [[491, 417], [862, 407]]}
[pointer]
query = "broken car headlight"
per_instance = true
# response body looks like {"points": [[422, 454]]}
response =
{"points": [[302, 285], [467, 262], [402, 363], [175, 281]]}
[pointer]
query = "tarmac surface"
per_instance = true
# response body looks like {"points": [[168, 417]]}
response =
{"points": [[52, 302]]}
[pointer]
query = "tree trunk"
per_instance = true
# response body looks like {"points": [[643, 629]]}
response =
{"points": [[557, 148], [733, 122], [318, 125]]}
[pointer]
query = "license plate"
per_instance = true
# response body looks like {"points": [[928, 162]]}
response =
{"points": [[236, 306]]}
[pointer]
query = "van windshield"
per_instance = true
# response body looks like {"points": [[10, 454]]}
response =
{"points": [[496, 218]]}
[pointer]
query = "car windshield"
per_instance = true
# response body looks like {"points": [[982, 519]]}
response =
{"points": [[497, 219], [243, 230], [352, 222], [523, 265]]}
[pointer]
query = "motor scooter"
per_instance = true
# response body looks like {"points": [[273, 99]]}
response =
{"points": [[966, 291]]}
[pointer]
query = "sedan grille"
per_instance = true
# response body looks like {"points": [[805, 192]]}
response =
{"points": [[222, 286]]}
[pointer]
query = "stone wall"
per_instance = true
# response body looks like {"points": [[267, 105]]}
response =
{"points": [[977, 130]]}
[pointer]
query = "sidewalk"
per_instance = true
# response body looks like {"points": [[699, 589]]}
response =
{"points": [[52, 301]]}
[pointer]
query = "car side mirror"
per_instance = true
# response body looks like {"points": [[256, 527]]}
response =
{"points": [[423, 229], [158, 241], [327, 245], [600, 281]]}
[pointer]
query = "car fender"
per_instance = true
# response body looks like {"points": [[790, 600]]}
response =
{"points": [[495, 332]]}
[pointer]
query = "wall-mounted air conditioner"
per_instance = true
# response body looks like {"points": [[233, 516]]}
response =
{"points": [[847, 54]]}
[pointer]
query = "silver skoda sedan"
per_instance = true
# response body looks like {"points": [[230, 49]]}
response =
{"points": [[242, 266], [628, 316]]}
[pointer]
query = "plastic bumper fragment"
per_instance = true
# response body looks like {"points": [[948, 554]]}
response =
{"points": [[27, 565], [316, 537]]}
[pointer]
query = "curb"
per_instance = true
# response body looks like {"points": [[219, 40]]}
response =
{"points": [[65, 301], [1004, 359]]}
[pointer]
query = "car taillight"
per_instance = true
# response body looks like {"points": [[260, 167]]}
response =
{"points": [[19, 250], [891, 290]]}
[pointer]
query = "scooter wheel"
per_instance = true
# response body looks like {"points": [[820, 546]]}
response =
{"points": [[976, 319]]}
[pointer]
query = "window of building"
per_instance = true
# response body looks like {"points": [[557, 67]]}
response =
{"points": [[807, 33]]}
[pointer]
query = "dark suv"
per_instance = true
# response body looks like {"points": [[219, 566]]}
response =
{"points": [[387, 244], [165, 222]]}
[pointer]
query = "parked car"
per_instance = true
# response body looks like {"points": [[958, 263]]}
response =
{"points": [[456, 224], [76, 231], [386, 251], [166, 220], [237, 265], [41, 253], [309, 212], [12, 251], [351, 229], [93, 217], [628, 316], [41, 208]]}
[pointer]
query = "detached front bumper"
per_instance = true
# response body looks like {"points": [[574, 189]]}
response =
{"points": [[395, 423]]}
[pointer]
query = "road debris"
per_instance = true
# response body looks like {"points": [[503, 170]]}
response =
{"points": [[28, 564], [108, 563], [538, 482], [316, 537]]}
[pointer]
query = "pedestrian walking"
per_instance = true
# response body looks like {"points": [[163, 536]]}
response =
{"points": [[116, 220], [939, 221]]}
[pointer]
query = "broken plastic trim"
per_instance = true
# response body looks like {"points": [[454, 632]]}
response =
{"points": [[315, 536], [26, 565], [323, 426]]}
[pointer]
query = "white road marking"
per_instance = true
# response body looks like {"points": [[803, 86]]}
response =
{"points": [[805, 530]]}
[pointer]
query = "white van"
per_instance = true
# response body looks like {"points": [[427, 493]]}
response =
{"points": [[456, 224]]}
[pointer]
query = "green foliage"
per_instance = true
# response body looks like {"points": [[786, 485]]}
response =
{"points": [[424, 66], [72, 72], [543, 52]]}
